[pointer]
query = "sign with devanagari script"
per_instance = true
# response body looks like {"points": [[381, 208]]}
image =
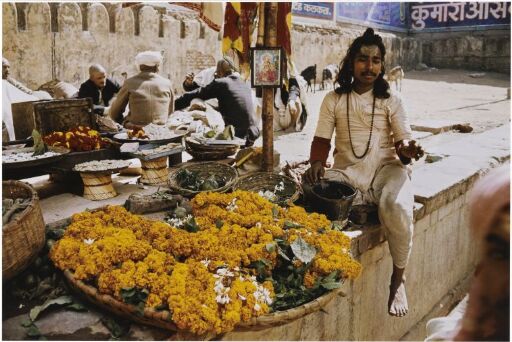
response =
{"points": [[383, 14], [319, 10], [426, 15]]}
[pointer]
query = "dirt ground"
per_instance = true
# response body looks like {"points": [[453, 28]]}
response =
{"points": [[440, 94]]}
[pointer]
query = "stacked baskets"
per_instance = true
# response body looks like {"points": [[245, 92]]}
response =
{"points": [[24, 236], [209, 152]]}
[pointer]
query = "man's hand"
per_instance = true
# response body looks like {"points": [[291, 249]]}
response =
{"points": [[315, 172], [189, 79], [409, 149]]}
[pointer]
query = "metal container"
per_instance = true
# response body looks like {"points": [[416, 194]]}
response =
{"points": [[332, 198]]}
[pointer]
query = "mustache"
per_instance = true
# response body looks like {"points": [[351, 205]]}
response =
{"points": [[369, 73]]}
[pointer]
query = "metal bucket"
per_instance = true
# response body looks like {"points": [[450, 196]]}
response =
{"points": [[332, 198]]}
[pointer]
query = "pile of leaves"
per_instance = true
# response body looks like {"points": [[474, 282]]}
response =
{"points": [[13, 207], [192, 180]]}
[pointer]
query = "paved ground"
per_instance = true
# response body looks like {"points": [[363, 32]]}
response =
{"points": [[440, 94]]}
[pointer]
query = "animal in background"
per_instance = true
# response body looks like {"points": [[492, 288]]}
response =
{"points": [[309, 75], [330, 73], [394, 75]]}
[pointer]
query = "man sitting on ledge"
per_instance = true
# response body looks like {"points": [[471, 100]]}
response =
{"points": [[372, 150]]}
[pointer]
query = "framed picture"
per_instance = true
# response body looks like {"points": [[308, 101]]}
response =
{"points": [[266, 67]]}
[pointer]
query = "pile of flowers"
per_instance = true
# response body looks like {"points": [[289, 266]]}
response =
{"points": [[230, 269], [78, 139]]}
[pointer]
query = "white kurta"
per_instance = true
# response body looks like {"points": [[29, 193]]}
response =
{"points": [[10, 95], [379, 176]]}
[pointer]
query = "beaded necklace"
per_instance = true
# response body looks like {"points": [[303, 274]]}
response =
{"points": [[350, 134]]}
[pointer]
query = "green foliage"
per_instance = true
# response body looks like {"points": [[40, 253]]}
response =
{"points": [[136, 297]]}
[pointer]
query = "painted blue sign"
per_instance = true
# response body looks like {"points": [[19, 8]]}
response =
{"points": [[380, 14], [425, 15], [319, 10]]}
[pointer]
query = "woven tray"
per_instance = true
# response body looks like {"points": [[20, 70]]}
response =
{"points": [[262, 181], [162, 319], [24, 236], [209, 152], [205, 169]]}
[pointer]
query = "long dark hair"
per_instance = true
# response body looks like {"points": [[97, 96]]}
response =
{"points": [[346, 74]]}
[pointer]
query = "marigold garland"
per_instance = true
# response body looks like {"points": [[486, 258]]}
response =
{"points": [[201, 277]]}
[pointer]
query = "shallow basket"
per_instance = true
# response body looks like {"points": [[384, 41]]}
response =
{"points": [[162, 319], [262, 181], [24, 236], [205, 170], [209, 152]]}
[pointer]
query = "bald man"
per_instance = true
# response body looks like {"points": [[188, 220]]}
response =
{"points": [[99, 88], [235, 101]]}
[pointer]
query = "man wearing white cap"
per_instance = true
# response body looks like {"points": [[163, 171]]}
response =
{"points": [[149, 95]]}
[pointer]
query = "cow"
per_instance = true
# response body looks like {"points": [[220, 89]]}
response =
{"points": [[394, 75], [309, 75], [330, 73]]}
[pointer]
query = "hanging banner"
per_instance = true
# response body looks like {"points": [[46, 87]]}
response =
{"points": [[318, 10], [426, 15], [391, 15]]}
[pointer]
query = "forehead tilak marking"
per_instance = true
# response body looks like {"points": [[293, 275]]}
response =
{"points": [[370, 50]]}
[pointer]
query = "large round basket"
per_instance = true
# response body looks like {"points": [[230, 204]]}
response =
{"points": [[209, 152], [204, 170], [24, 236], [162, 319], [267, 181]]}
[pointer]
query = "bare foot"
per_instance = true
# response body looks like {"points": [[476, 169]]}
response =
{"points": [[397, 303]]}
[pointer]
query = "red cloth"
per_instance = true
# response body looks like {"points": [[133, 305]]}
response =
{"points": [[320, 148]]}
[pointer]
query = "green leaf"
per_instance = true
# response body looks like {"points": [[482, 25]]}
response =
{"points": [[77, 307], [191, 226], [39, 145], [337, 226], [331, 285], [33, 331], [275, 212], [270, 247], [219, 223], [291, 224], [27, 323], [63, 300], [117, 328], [302, 250], [331, 277], [282, 254]]}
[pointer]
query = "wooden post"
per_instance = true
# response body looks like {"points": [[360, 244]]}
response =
{"points": [[268, 93]]}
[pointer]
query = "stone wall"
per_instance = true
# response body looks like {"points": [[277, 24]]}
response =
{"points": [[328, 44], [60, 40], [45, 41], [473, 50]]}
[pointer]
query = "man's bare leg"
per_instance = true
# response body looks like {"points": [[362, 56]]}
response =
{"points": [[397, 303]]}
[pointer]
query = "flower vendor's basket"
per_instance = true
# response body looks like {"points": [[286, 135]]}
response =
{"points": [[24, 236], [204, 169], [162, 319], [154, 171], [267, 181], [209, 152], [287, 316]]}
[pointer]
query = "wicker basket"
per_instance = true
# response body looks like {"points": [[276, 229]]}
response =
{"points": [[24, 236], [205, 170], [162, 319], [209, 152], [262, 181]]}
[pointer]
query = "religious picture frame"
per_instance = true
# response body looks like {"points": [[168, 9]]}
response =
{"points": [[266, 67]]}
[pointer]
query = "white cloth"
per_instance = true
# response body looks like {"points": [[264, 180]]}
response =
{"points": [[10, 95], [446, 328], [205, 77], [379, 176], [149, 58]]}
